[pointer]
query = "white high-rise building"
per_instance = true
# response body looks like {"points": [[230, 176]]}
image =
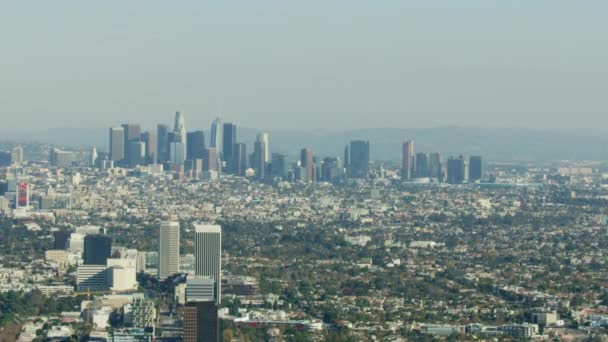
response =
{"points": [[208, 254], [216, 135], [180, 128], [263, 138], [168, 249]]}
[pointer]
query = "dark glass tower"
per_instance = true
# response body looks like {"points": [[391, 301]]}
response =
{"points": [[195, 144], [359, 159], [229, 140], [475, 168], [97, 249]]}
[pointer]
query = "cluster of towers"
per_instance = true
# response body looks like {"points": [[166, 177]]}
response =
{"points": [[424, 165]]}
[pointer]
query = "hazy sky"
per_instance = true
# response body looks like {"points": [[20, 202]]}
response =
{"points": [[305, 64]]}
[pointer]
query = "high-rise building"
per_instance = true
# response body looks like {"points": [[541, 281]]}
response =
{"points": [[117, 144], [97, 249], [208, 255], [180, 129], [162, 137], [168, 249], [132, 133], [216, 138], [260, 155], [239, 159], [194, 168], [359, 159], [435, 167], [17, 155], [307, 163], [136, 153], [422, 165], [195, 144], [93, 156], [229, 140], [347, 156], [61, 240], [456, 170], [278, 167], [201, 322], [210, 159], [59, 158], [408, 160], [330, 170], [150, 139], [176, 153], [475, 168]]}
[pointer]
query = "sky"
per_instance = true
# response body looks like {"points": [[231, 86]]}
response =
{"points": [[307, 64]]}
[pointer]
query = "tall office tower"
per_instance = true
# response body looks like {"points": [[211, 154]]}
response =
{"points": [[201, 322], [260, 155], [347, 156], [132, 133], [59, 158], [97, 249], [17, 155], [150, 139], [195, 144], [229, 140], [177, 150], [208, 255], [408, 160], [215, 140], [23, 195], [93, 156], [162, 138], [210, 159], [278, 167], [456, 170], [180, 129], [61, 240], [239, 159], [475, 168], [136, 153], [435, 166], [307, 163], [330, 170], [359, 159], [168, 249], [422, 165], [117, 144]]}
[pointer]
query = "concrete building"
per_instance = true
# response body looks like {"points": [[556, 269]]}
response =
{"points": [[168, 249]]}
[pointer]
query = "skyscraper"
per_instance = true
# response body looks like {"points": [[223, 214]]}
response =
{"points": [[117, 144], [278, 167], [17, 155], [201, 322], [180, 129], [456, 170], [260, 155], [162, 136], [435, 166], [347, 156], [132, 133], [136, 152], [229, 135], [97, 249], [208, 254], [330, 170], [475, 168], [239, 159], [215, 140], [408, 160], [422, 165], [195, 144], [150, 139], [168, 249], [359, 159], [210, 159], [307, 163]]}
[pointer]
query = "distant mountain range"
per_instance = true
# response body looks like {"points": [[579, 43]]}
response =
{"points": [[495, 144]]}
